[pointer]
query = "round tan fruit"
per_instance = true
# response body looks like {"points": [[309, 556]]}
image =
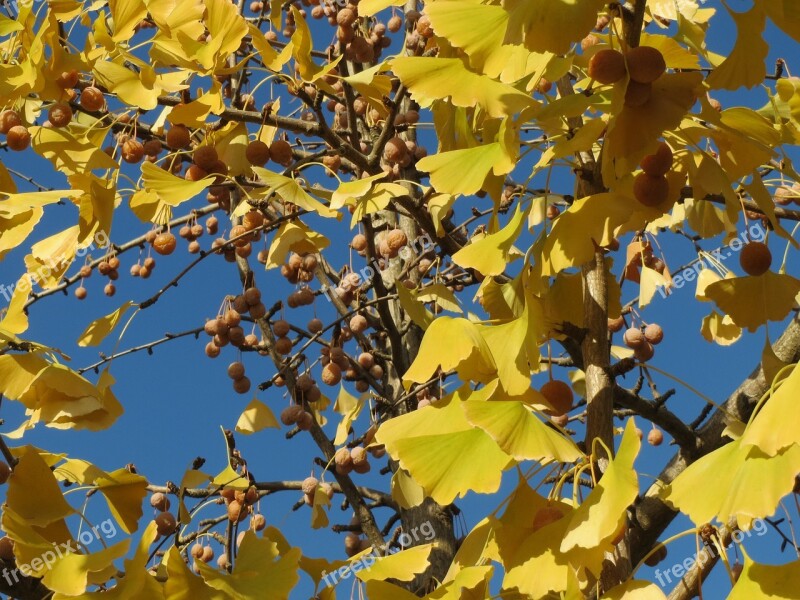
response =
{"points": [[396, 239], [352, 544], [315, 325], [80, 293], [159, 501], [236, 370], [237, 512], [649, 190], [616, 325], [281, 328], [755, 258], [8, 119], [291, 414], [653, 333], [205, 157], [658, 163], [281, 152], [331, 374], [253, 296], [18, 138], [132, 151], [558, 395], [165, 243], [257, 153], [283, 346], [645, 64], [309, 485], [178, 137], [655, 437], [343, 460], [60, 114], [92, 99], [359, 243], [165, 523], [644, 352], [633, 338], [395, 150], [607, 66], [545, 516], [197, 551], [257, 522], [358, 323]]}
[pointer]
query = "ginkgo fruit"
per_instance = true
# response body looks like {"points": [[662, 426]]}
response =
{"points": [[309, 485], [159, 501], [644, 352], [236, 370], [92, 99], [394, 24], [650, 190], [343, 460], [331, 374], [237, 512], [395, 240], [60, 114], [280, 327], [659, 554], [645, 64], [208, 554], [257, 522], [18, 138], [352, 544], [178, 137], [653, 333], [658, 163], [80, 293], [616, 325], [358, 323], [132, 151], [165, 523], [558, 395], [281, 152], [395, 150], [109, 289], [607, 66], [205, 157], [655, 437], [165, 243], [755, 258], [291, 414], [197, 551], [633, 338], [283, 345], [8, 119]]}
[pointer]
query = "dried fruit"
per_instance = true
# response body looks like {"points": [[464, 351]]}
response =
{"points": [[237, 512], [655, 437], [8, 119], [165, 523], [358, 323], [344, 463], [309, 485], [165, 243], [281, 152], [607, 66], [178, 137], [205, 157], [558, 395], [615, 325], [283, 346], [6, 548], [257, 153], [80, 293], [331, 374], [755, 258], [653, 333], [644, 352], [291, 414], [60, 114], [633, 338], [132, 151], [236, 370]]}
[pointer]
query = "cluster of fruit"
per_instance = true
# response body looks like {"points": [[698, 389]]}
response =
{"points": [[166, 523], [310, 485], [643, 65], [226, 327], [338, 365], [347, 460], [641, 341], [107, 268]]}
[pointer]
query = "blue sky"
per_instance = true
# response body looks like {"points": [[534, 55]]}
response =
{"points": [[176, 400]]}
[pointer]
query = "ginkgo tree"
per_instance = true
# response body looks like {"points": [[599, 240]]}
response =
{"points": [[478, 202]]}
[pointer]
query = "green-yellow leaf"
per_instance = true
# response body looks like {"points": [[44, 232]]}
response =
{"points": [[490, 254], [98, 329]]}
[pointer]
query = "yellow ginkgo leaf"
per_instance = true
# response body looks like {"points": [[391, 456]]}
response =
{"points": [[71, 574], [290, 191], [414, 308], [720, 329], [405, 491], [256, 572], [255, 417], [651, 281], [752, 301], [490, 255], [402, 566], [442, 295], [373, 86], [33, 491], [770, 430], [464, 171], [194, 113], [588, 222], [705, 278], [124, 492], [466, 458], [70, 152], [126, 16], [18, 372], [778, 582], [227, 28], [514, 348], [550, 25], [603, 512], [182, 584], [294, 237], [430, 79], [302, 45], [51, 257], [349, 407], [734, 481], [371, 7], [519, 432], [171, 190], [98, 329], [137, 89], [746, 64], [15, 320], [466, 352]]}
